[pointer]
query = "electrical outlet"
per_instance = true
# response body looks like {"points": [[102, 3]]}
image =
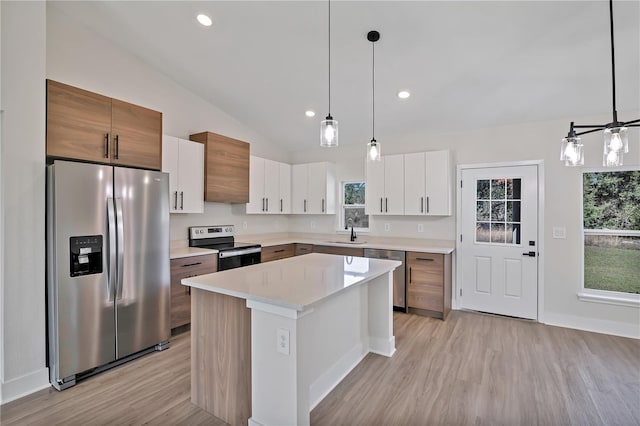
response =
{"points": [[420, 227], [559, 232], [387, 227], [244, 225], [283, 341], [313, 224]]}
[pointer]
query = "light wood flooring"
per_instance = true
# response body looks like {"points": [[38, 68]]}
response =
{"points": [[470, 369]]}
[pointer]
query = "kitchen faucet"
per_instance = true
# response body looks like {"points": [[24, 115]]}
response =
{"points": [[353, 236]]}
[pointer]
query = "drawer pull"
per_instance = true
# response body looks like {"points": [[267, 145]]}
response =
{"points": [[279, 251], [425, 259], [191, 264], [409, 275]]}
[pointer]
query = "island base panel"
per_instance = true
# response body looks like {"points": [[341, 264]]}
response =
{"points": [[221, 356]]}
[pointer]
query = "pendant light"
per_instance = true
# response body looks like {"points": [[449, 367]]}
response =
{"points": [[373, 147], [616, 142], [329, 126]]}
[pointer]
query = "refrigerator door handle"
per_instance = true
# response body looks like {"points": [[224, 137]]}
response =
{"points": [[111, 259], [120, 247]]}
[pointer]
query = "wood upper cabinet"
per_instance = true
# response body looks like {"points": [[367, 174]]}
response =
{"points": [[226, 168], [182, 268], [87, 126], [429, 283], [137, 136]]}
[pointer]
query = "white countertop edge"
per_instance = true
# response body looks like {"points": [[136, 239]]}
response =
{"points": [[179, 253], [367, 245], [280, 303]]}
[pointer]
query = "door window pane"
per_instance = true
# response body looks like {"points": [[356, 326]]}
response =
{"points": [[497, 211], [482, 190], [497, 189], [482, 211], [497, 233], [513, 233], [482, 232], [513, 189], [513, 211]]}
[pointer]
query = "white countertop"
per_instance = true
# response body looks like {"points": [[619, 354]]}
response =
{"points": [[363, 241], [294, 283], [179, 252]]}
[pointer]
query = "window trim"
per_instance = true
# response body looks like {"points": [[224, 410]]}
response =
{"points": [[341, 223], [591, 294]]}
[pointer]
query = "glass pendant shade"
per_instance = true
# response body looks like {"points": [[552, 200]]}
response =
{"points": [[571, 151], [329, 132], [373, 150], [616, 139]]}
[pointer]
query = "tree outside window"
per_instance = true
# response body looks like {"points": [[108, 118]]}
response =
{"points": [[353, 206], [611, 214]]}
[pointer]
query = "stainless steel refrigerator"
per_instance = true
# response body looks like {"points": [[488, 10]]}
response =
{"points": [[108, 277]]}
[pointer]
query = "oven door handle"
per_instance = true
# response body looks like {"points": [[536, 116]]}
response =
{"points": [[240, 252]]}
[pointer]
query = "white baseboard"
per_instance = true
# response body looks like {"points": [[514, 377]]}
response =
{"points": [[614, 328], [25, 385], [334, 375], [385, 347]]}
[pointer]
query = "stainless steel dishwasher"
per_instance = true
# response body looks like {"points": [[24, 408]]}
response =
{"points": [[399, 288]]}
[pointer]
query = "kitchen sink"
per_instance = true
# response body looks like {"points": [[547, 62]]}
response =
{"points": [[355, 243]]}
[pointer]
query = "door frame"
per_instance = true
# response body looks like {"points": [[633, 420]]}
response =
{"points": [[541, 246]]}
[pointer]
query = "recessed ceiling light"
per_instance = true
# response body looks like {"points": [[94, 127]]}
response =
{"points": [[309, 113], [403, 94], [204, 20]]}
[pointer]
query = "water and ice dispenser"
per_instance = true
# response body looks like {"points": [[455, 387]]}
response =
{"points": [[85, 255]]}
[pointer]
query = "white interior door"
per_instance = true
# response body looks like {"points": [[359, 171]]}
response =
{"points": [[499, 252]]}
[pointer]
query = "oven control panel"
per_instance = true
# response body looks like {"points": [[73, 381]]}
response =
{"points": [[198, 232]]}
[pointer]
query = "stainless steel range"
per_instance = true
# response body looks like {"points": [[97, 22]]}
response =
{"points": [[230, 253]]}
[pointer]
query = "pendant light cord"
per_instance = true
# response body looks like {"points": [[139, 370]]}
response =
{"points": [[373, 85], [613, 64], [329, 32]]}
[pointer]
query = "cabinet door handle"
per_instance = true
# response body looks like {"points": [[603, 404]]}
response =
{"points": [[175, 201], [380, 204], [386, 205], [421, 204], [262, 203], [409, 274], [280, 205], [267, 201], [279, 251], [106, 145], [181, 200], [427, 204], [305, 206], [323, 205], [117, 141], [425, 259], [191, 264]]}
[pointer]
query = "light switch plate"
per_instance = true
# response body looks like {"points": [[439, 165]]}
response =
{"points": [[387, 227], [420, 227], [559, 232], [283, 341]]}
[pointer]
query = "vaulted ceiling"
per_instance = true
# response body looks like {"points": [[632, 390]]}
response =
{"points": [[467, 64]]}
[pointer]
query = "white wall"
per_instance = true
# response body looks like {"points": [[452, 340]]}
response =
{"points": [[562, 186], [23, 176], [82, 58]]}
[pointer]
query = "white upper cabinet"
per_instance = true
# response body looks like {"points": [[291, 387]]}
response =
{"points": [[385, 190], [285, 188], [313, 188], [428, 183], [184, 161], [269, 187]]}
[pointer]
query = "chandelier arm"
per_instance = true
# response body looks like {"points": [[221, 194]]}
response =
{"points": [[632, 123], [590, 131], [589, 126]]}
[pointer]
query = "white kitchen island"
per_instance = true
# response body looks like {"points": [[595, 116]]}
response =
{"points": [[270, 341]]}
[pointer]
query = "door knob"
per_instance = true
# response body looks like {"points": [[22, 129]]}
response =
{"points": [[530, 254]]}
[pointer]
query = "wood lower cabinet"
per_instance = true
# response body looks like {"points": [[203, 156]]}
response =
{"points": [[182, 268], [429, 283], [343, 251], [83, 125], [303, 249], [278, 252], [226, 168]]}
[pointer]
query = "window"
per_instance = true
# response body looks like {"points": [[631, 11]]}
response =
{"points": [[353, 206], [611, 218], [498, 211]]}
